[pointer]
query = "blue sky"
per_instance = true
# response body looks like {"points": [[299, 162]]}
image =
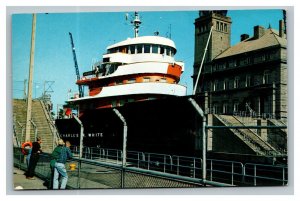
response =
{"points": [[93, 32]]}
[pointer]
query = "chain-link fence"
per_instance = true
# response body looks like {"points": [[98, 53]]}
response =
{"points": [[91, 174], [150, 170]]}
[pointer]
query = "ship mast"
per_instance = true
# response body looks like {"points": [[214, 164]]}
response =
{"points": [[136, 23]]}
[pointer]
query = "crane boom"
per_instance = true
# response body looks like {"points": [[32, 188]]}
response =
{"points": [[76, 65]]}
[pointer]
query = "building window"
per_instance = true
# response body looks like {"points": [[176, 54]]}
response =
{"points": [[266, 77], [210, 86], [218, 26], [215, 108], [221, 27], [226, 84], [227, 64], [220, 66], [225, 108], [235, 106], [236, 62], [248, 60], [248, 81], [236, 82], [263, 57], [215, 87], [225, 27], [214, 67], [267, 56]]}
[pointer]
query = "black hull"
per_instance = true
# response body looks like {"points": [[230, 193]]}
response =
{"points": [[160, 126]]}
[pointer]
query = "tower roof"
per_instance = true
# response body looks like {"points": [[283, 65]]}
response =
{"points": [[270, 38]]}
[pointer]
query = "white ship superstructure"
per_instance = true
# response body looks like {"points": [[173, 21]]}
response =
{"points": [[136, 69]]}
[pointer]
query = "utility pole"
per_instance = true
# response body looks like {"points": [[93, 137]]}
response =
{"points": [[205, 50], [25, 81], [29, 94]]}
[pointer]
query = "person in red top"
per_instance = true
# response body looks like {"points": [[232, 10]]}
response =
{"points": [[34, 158]]}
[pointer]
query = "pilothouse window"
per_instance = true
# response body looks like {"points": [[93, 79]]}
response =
{"points": [[162, 50], [146, 48], [132, 49], [168, 52], [154, 49], [139, 49]]}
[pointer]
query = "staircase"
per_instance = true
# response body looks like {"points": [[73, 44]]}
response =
{"points": [[279, 135], [19, 121], [249, 137], [41, 123], [276, 122]]}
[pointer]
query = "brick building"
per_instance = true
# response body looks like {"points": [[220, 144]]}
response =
{"points": [[247, 78]]}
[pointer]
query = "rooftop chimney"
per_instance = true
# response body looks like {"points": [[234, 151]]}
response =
{"points": [[244, 37], [281, 28], [258, 32]]}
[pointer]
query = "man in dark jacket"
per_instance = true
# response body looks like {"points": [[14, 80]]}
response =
{"points": [[60, 154], [34, 158]]}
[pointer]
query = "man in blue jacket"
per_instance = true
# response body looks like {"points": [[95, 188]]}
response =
{"points": [[60, 154]]}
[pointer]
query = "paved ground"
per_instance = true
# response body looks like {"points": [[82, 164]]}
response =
{"points": [[21, 183]]}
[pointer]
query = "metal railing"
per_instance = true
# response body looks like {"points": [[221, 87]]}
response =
{"points": [[219, 171], [55, 134], [260, 174], [95, 174], [157, 170], [226, 171], [257, 143]]}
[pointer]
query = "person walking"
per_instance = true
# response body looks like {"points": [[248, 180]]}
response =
{"points": [[60, 154], [34, 158]]}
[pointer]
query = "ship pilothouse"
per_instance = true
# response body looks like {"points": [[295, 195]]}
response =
{"points": [[136, 69]]}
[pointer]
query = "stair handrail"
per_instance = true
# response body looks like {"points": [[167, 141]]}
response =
{"points": [[273, 147], [51, 125], [35, 128], [252, 141], [15, 135], [23, 127], [255, 145]]}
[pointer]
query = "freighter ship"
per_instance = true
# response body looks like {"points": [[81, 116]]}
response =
{"points": [[132, 71], [136, 69]]}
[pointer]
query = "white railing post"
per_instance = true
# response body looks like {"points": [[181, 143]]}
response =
{"points": [[204, 141], [80, 147], [124, 143]]}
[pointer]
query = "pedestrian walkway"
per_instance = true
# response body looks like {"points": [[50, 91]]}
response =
{"points": [[21, 183]]}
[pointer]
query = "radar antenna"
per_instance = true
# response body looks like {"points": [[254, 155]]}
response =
{"points": [[136, 23]]}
